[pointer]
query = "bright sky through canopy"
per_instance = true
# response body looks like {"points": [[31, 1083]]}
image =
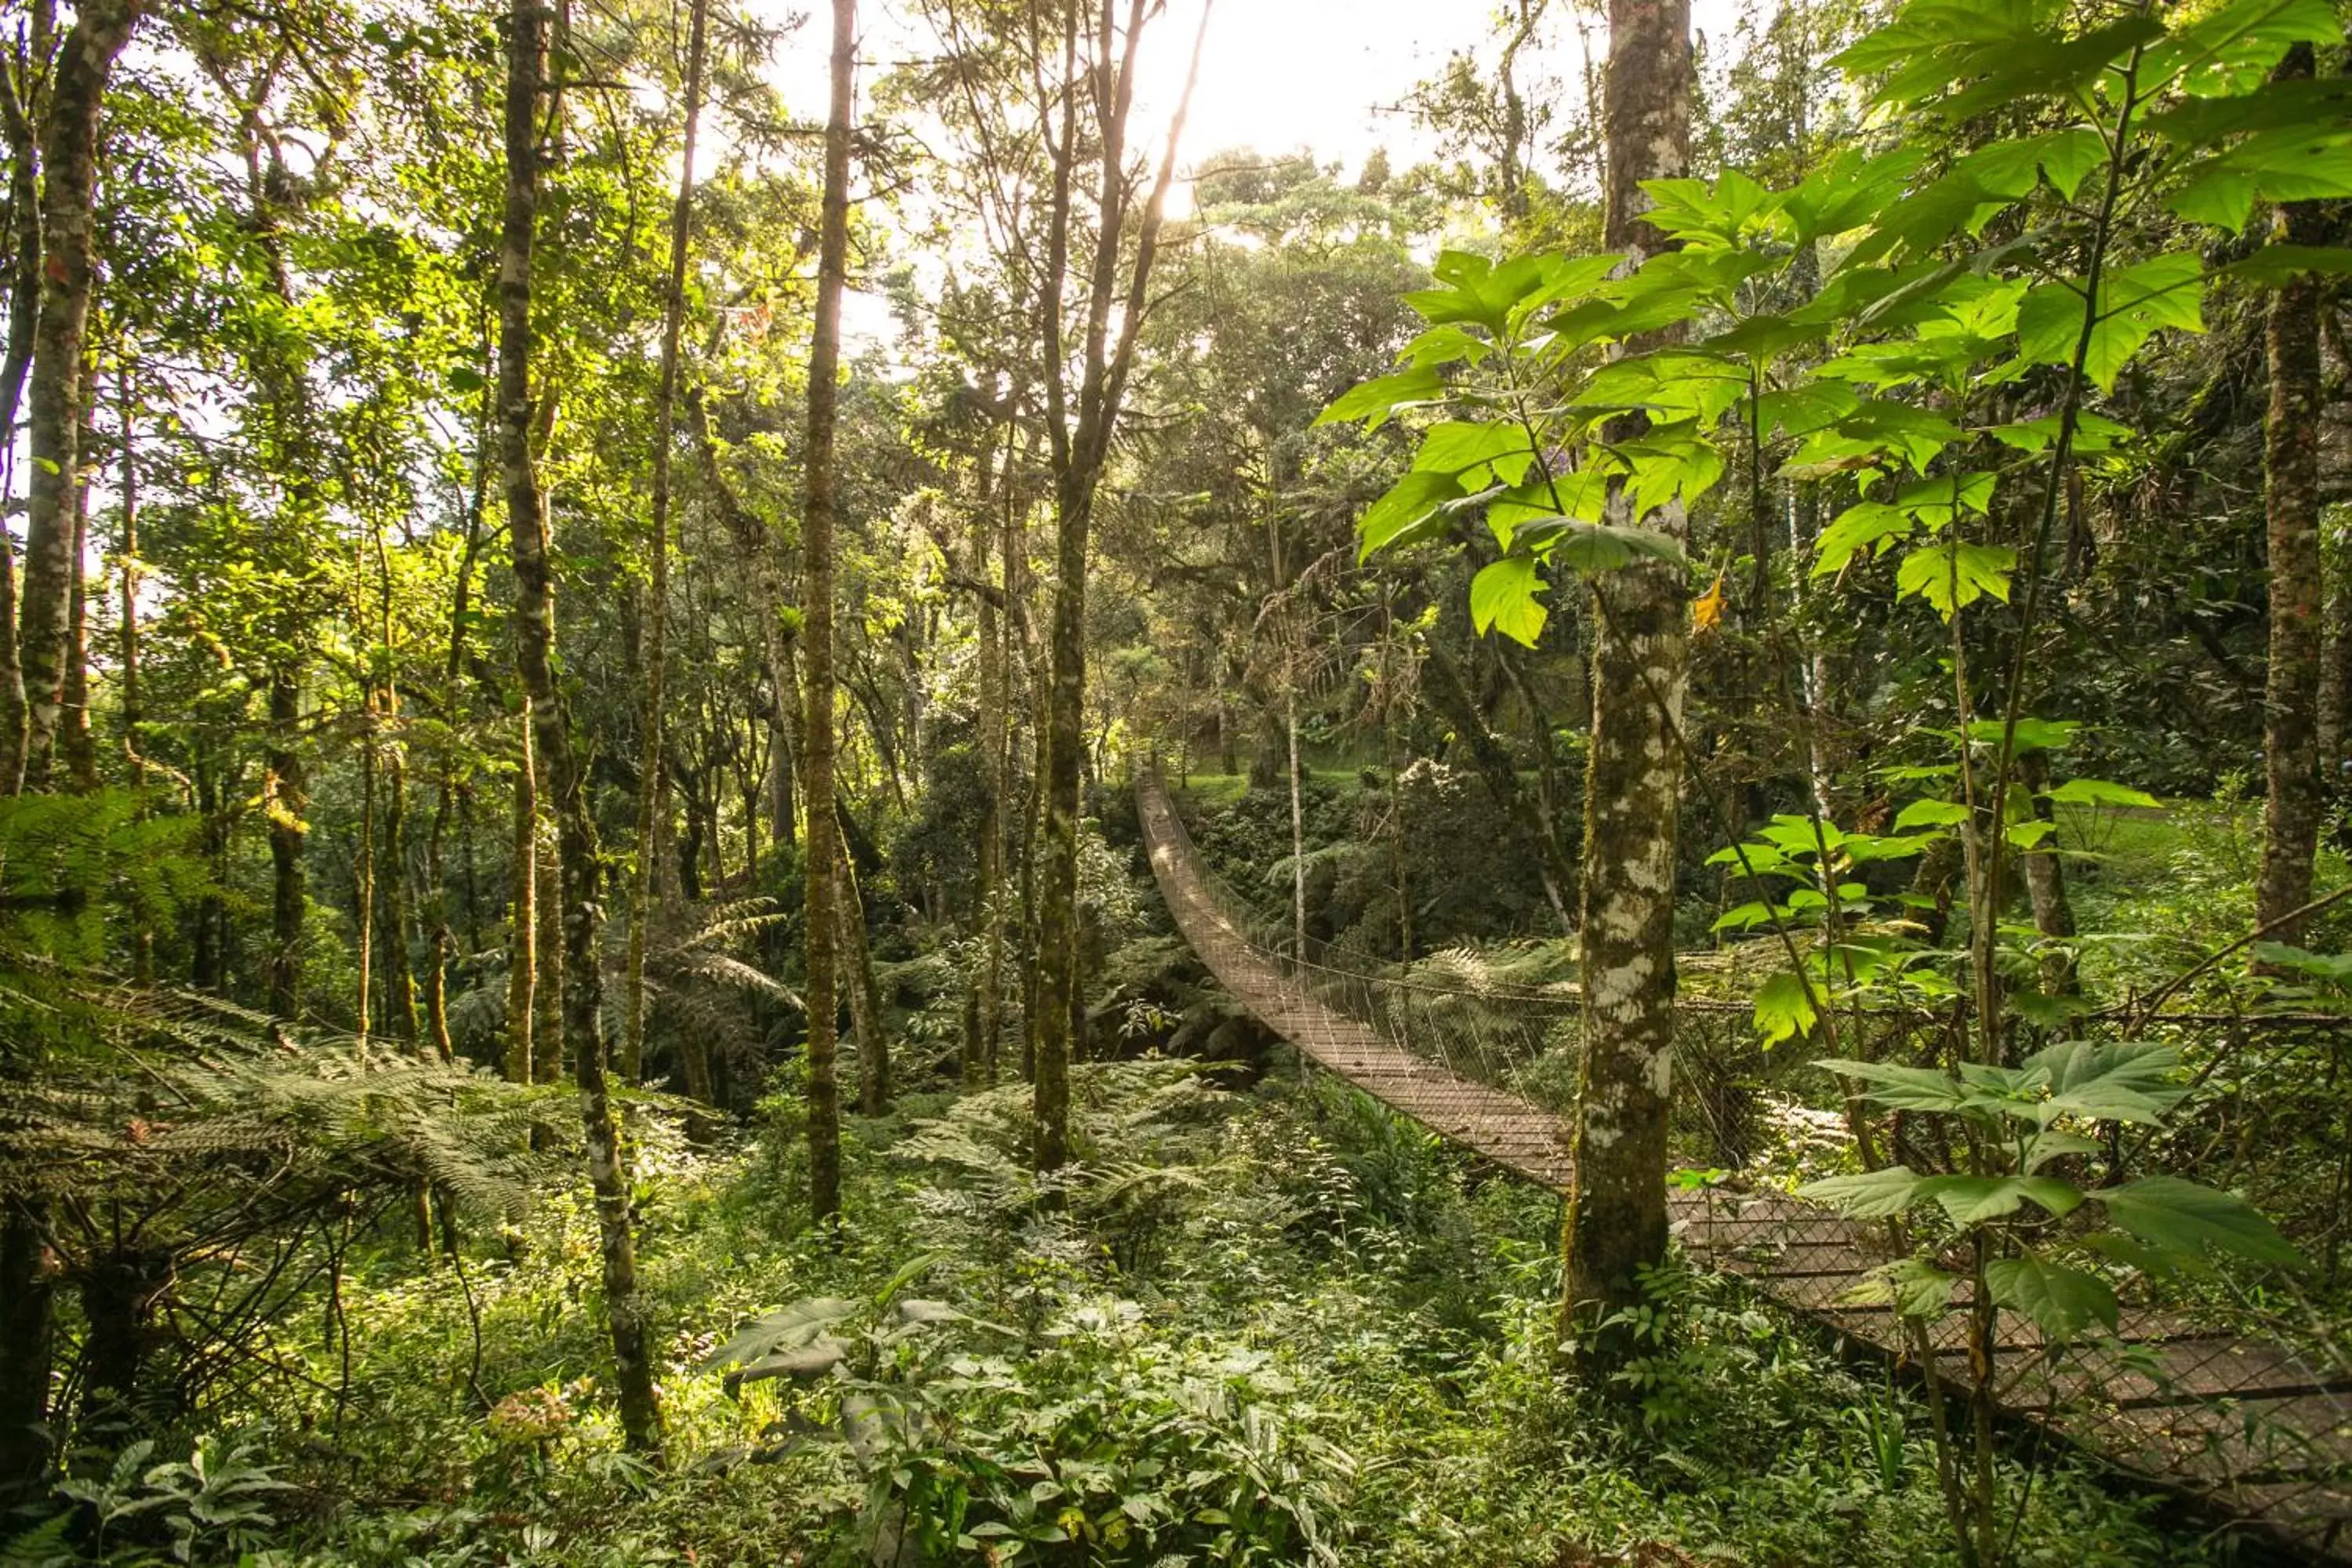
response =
{"points": [[1277, 76]]}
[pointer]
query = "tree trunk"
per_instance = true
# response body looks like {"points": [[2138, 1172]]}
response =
{"points": [[128, 705], [865, 998], [284, 801], [392, 881], [1081, 445], [2046, 880], [657, 615], [823, 929], [988, 919], [535, 656], [1615, 1218], [2290, 498], [28, 1285], [24, 314], [548, 1044], [522, 914], [68, 166], [363, 878], [75, 742]]}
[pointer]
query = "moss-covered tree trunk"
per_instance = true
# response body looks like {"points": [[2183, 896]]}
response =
{"points": [[1616, 1213], [534, 657], [822, 923], [988, 899], [57, 390], [284, 799], [1081, 430], [522, 910], [656, 613], [2291, 501], [68, 152]]}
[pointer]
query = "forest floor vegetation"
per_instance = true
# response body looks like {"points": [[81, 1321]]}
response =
{"points": [[1281, 1327]]}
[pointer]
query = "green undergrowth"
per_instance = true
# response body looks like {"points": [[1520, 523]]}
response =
{"points": [[1282, 1327]]}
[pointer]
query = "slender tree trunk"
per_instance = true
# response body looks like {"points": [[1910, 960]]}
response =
{"points": [[284, 802], [1615, 1218], [656, 617], [75, 742], [392, 847], [1081, 445], [534, 654], [2046, 880], [522, 914], [24, 314], [2290, 498], [392, 880], [69, 167], [447, 793], [364, 876], [128, 704], [865, 999], [988, 919], [549, 1044], [817, 520]]}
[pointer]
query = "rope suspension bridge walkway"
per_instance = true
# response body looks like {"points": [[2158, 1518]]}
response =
{"points": [[2260, 1434]]}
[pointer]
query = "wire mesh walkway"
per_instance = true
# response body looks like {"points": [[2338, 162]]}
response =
{"points": [[2258, 1432]]}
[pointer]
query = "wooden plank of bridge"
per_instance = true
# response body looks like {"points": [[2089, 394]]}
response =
{"points": [[2256, 1430]]}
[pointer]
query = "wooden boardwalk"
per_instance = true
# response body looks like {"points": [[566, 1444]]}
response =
{"points": [[2257, 1433]]}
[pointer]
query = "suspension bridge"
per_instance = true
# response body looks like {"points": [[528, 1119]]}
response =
{"points": [[2258, 1433]]}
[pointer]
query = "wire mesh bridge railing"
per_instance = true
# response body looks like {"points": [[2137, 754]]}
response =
{"points": [[2260, 1433]]}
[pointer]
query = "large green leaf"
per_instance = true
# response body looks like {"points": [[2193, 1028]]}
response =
{"points": [[1480, 453], [1877, 434], [1914, 1287], [1903, 1087], [2134, 303], [2231, 49], [2060, 1301], [1930, 814], [2129, 1080], [1593, 547], [2014, 168], [2185, 1219], [1783, 1008], [1408, 502], [793, 1327], [2030, 735], [1953, 575], [2099, 791], [2303, 102], [2293, 163], [1581, 494], [1849, 190], [1504, 598], [1972, 1200], [2278, 263], [1376, 401], [1873, 1195], [1872, 525]]}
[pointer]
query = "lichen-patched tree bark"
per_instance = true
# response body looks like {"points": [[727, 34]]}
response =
{"points": [[2291, 499], [656, 617], [68, 160], [1616, 1222], [534, 656], [822, 923]]}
